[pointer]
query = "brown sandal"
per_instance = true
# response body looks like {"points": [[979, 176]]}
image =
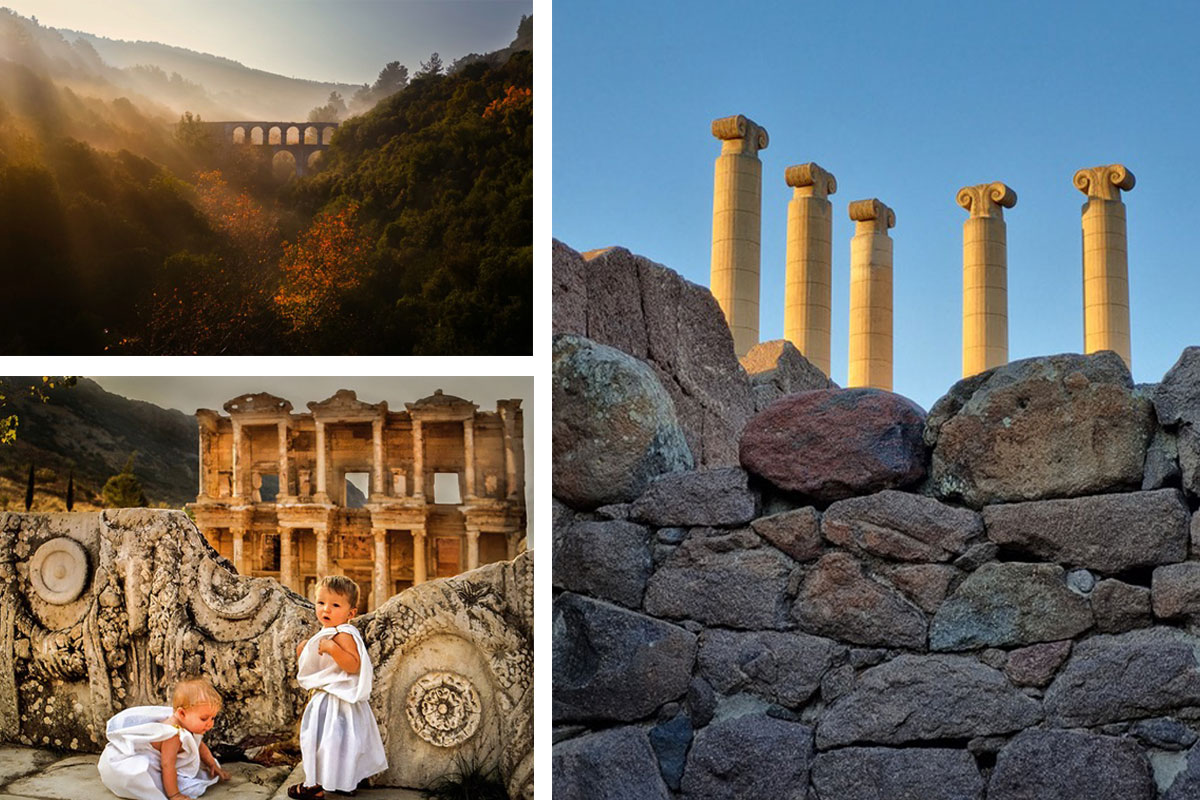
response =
{"points": [[299, 791]]}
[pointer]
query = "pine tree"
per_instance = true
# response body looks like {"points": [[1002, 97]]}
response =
{"points": [[124, 490]]}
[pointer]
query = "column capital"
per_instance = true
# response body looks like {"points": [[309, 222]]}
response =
{"points": [[875, 215], [810, 180], [987, 199], [1104, 181], [740, 135]]}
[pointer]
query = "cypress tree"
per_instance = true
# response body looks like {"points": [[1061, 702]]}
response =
{"points": [[29, 489], [71, 491]]}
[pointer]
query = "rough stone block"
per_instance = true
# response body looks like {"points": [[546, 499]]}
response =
{"points": [[608, 560], [1035, 665], [728, 760], [1007, 604], [784, 668], [671, 741], [796, 532], [924, 584], [616, 764], [1175, 590], [838, 599], [1185, 784], [1108, 533], [1120, 606], [916, 698], [614, 664], [901, 526], [776, 368], [880, 773], [716, 497], [1068, 765]]}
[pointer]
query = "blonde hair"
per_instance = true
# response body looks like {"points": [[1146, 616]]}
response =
{"points": [[195, 692], [340, 584]]}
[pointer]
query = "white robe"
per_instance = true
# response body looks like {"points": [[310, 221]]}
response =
{"points": [[339, 738], [131, 767]]}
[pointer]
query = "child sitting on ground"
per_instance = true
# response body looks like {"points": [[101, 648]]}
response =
{"points": [[155, 751], [339, 738]]}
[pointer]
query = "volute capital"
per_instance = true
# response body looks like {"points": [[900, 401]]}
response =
{"points": [[1104, 182], [740, 135], [987, 199], [872, 215], [810, 180]]}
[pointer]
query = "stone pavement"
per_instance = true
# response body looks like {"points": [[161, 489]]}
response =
{"points": [[28, 773]]}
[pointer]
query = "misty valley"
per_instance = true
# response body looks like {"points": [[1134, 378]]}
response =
{"points": [[157, 200]]}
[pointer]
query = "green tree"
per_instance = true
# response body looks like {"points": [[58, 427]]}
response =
{"points": [[392, 78], [194, 134], [124, 490], [333, 111], [431, 67]]}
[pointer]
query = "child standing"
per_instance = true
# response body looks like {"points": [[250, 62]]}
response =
{"points": [[339, 738], [156, 751]]}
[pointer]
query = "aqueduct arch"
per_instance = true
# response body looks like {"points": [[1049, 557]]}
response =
{"points": [[301, 139]]}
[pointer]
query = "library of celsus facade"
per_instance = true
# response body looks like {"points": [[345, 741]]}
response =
{"points": [[389, 498]]}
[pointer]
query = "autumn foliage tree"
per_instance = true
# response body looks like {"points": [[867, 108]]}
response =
{"points": [[321, 268]]}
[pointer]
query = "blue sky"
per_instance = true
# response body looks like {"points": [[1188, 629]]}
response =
{"points": [[346, 41], [906, 102]]}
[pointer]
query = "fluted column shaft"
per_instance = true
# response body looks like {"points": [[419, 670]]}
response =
{"points": [[985, 276], [377, 457], [237, 459], [321, 534], [287, 561], [284, 465], [239, 563], [418, 535], [418, 439], [871, 296], [737, 226], [469, 456], [808, 285], [1105, 260], [380, 591], [322, 496]]}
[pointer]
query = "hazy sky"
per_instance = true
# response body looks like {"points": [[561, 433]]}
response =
{"points": [[345, 41], [906, 102]]}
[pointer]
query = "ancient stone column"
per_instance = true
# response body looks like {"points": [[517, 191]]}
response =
{"points": [[321, 533], [469, 456], [514, 544], [737, 226], [284, 463], [808, 285], [1105, 259], [472, 548], [380, 587], [985, 276], [377, 456], [418, 535], [286, 559], [508, 418], [321, 495], [205, 437], [239, 536], [237, 459], [418, 438], [871, 296]]}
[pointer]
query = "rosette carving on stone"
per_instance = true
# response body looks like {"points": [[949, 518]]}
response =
{"points": [[810, 180], [1105, 182], [873, 213], [443, 708], [987, 199], [739, 129]]}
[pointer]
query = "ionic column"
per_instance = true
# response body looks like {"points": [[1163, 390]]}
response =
{"points": [[418, 535], [472, 548], [985, 276], [377, 440], [1105, 259], [381, 572], [871, 295], [237, 458], [321, 533], [808, 285], [737, 226], [418, 438], [239, 537], [286, 559], [321, 496], [469, 455], [284, 466]]}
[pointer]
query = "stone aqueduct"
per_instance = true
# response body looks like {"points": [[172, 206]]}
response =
{"points": [[302, 139]]}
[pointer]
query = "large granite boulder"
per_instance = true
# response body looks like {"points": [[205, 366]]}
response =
{"points": [[614, 426], [1110, 533], [614, 664], [749, 756], [1009, 604], [1057, 426], [648, 311], [883, 773], [615, 764], [831, 444], [1069, 765], [1177, 405], [1126, 676], [777, 368], [915, 698], [608, 559], [838, 599], [900, 526], [784, 668], [725, 579], [719, 496]]}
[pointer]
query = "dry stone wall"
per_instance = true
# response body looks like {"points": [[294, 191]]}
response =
{"points": [[102, 611], [998, 599]]}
